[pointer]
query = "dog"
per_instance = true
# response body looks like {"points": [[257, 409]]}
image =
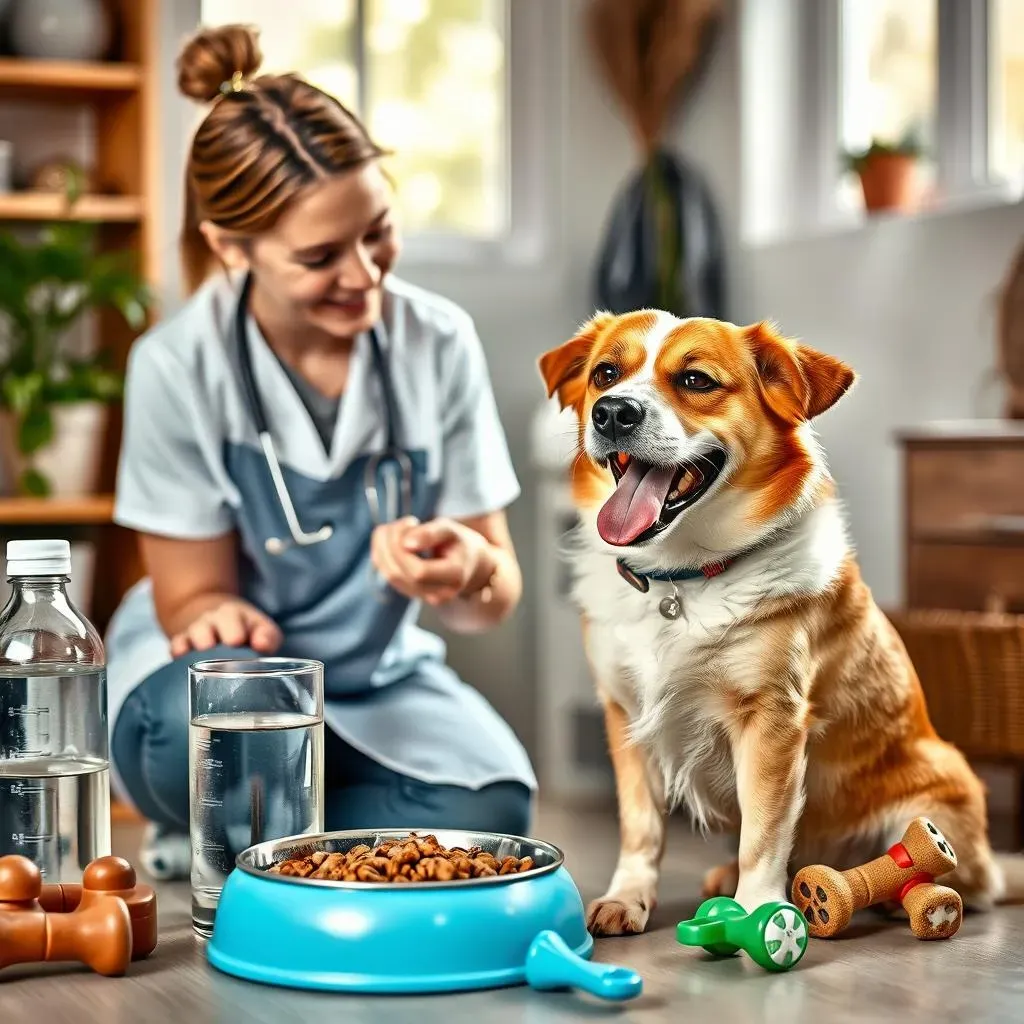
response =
{"points": [[744, 668]]}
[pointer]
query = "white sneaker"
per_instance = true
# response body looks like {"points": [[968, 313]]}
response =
{"points": [[166, 856]]}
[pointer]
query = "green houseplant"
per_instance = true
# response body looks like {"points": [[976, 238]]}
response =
{"points": [[47, 284], [888, 172]]}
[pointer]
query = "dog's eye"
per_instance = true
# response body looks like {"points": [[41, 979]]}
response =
{"points": [[604, 375], [697, 380]]}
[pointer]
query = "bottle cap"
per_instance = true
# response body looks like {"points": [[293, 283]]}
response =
{"points": [[38, 558]]}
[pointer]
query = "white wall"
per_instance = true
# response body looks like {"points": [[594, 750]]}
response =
{"points": [[910, 305]]}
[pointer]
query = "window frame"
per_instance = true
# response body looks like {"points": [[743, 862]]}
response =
{"points": [[812, 115], [532, 28], [528, 29]]}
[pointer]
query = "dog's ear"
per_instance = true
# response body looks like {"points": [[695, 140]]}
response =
{"points": [[563, 368], [797, 382]]}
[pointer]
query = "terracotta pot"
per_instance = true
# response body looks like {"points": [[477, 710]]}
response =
{"points": [[71, 461], [889, 182]]}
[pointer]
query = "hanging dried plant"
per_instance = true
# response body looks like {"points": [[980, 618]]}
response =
{"points": [[647, 51]]}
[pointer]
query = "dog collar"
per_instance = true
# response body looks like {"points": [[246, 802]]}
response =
{"points": [[642, 580]]}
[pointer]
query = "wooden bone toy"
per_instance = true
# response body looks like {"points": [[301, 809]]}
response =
{"points": [[105, 922], [906, 873], [109, 876]]}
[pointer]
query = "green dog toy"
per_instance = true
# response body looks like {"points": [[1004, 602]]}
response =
{"points": [[773, 936]]}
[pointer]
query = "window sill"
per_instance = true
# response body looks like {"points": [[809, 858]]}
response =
{"points": [[982, 198]]}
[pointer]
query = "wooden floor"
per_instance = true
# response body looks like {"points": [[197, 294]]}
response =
{"points": [[880, 973]]}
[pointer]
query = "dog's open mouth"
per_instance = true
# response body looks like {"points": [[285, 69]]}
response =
{"points": [[649, 498]]}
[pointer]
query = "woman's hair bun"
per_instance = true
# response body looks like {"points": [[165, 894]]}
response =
{"points": [[213, 56]]}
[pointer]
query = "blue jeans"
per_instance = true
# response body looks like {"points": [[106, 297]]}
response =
{"points": [[150, 749]]}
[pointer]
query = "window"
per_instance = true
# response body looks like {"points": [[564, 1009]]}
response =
{"points": [[1006, 88], [889, 63], [428, 78], [947, 75]]}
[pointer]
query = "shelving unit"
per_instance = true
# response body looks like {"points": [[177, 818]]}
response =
{"points": [[45, 206], [92, 510], [34, 77], [119, 97]]}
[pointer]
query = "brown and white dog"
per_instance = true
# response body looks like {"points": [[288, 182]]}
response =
{"points": [[745, 670]]}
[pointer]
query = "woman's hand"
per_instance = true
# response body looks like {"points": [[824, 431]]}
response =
{"points": [[195, 590], [435, 562], [232, 622]]}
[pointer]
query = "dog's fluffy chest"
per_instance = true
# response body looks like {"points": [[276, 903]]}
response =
{"points": [[711, 637], [680, 679], [674, 677]]}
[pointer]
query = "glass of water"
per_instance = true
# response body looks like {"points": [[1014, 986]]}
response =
{"points": [[255, 758]]}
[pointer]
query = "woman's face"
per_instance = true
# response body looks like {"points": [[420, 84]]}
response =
{"points": [[323, 263]]}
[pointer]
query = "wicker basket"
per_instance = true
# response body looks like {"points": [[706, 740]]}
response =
{"points": [[971, 666]]}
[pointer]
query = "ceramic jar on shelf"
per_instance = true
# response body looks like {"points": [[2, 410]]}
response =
{"points": [[60, 29]]}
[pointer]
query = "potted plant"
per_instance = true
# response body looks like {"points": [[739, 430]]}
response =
{"points": [[888, 173], [54, 404]]}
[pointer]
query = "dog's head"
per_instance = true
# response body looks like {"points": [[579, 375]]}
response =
{"points": [[693, 433]]}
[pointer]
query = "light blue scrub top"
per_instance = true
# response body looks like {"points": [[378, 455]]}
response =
{"points": [[191, 467]]}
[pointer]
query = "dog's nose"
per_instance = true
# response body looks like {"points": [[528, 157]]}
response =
{"points": [[616, 418]]}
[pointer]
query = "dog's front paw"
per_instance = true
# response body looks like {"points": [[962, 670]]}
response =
{"points": [[750, 897], [618, 915]]}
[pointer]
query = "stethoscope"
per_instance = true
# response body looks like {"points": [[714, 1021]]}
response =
{"points": [[381, 511]]}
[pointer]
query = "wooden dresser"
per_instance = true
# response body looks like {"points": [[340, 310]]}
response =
{"points": [[962, 619], [964, 515]]}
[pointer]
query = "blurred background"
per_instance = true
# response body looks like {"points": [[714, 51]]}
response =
{"points": [[851, 169]]}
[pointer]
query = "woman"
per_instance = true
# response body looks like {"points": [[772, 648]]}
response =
{"points": [[286, 194]]}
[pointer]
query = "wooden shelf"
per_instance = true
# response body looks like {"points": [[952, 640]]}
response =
{"points": [[117, 102], [85, 511], [31, 206], [34, 77]]}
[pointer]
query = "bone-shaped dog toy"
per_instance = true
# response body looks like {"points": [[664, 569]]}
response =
{"points": [[98, 935], [906, 874], [76, 922], [110, 876]]}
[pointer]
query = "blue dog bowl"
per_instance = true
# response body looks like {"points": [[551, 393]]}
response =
{"points": [[453, 936]]}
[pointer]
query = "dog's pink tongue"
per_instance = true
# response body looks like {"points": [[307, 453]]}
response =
{"points": [[636, 504]]}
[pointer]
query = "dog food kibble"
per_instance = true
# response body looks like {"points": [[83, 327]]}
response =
{"points": [[416, 859]]}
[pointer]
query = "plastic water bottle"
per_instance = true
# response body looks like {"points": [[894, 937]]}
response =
{"points": [[54, 755]]}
